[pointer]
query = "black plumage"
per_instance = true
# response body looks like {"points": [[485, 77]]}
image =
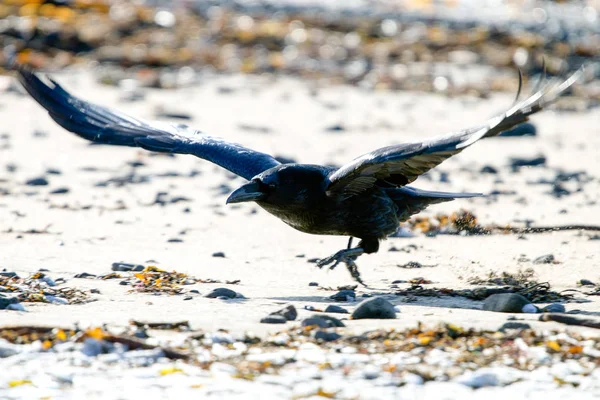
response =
{"points": [[365, 199]]}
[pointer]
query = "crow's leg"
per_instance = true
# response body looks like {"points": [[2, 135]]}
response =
{"points": [[349, 255]]}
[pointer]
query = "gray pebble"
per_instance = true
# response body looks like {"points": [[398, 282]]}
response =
{"points": [[41, 181], [84, 275], [327, 336], [222, 292], [126, 267], [313, 284], [514, 325], [315, 321], [219, 254], [273, 319], [505, 302], [555, 307], [545, 259], [336, 309], [374, 308], [344, 295], [61, 190], [289, 313]]}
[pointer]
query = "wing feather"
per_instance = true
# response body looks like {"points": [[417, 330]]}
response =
{"points": [[404, 163], [104, 125]]}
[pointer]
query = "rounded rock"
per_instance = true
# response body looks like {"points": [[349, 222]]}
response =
{"points": [[222, 292], [374, 308], [505, 302]]}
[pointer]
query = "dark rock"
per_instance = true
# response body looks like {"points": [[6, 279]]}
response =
{"points": [[84, 275], [514, 325], [344, 295], [9, 274], [222, 292], [586, 282], [526, 129], [219, 254], [374, 308], [505, 302], [335, 128], [332, 321], [488, 169], [141, 333], [94, 291], [53, 171], [336, 309], [188, 298], [195, 291], [6, 301], [545, 259], [124, 283], [175, 240], [327, 336], [558, 191], [41, 181], [126, 267], [289, 313], [273, 319], [517, 163], [554, 307], [315, 321], [61, 190], [313, 284]]}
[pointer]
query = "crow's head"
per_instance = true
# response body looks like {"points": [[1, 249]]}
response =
{"points": [[287, 184]]}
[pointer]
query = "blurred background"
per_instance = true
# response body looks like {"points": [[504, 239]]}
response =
{"points": [[449, 46]]}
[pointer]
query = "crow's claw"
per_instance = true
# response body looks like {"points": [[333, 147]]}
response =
{"points": [[348, 257]]}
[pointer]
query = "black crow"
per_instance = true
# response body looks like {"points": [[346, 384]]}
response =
{"points": [[365, 199]]}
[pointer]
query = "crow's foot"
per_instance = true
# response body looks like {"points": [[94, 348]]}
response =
{"points": [[346, 256]]}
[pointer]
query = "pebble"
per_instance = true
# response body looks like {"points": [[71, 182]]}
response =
{"points": [[336, 309], [344, 295], [514, 325], [41, 181], [6, 301], [273, 319], [545, 259], [61, 190], [126, 267], [323, 321], [526, 129], [313, 284], [84, 275], [327, 336], [219, 254], [586, 282], [374, 308], [555, 307], [505, 302], [222, 292], [289, 313]]}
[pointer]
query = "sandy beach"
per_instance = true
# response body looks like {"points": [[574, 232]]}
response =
{"points": [[113, 210]]}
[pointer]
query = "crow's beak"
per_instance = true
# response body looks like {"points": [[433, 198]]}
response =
{"points": [[249, 192]]}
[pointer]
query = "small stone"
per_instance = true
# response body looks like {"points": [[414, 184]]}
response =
{"points": [[554, 307], [273, 319], [84, 275], [374, 308], [126, 267], [332, 321], [175, 240], [313, 284], [289, 313], [41, 181], [188, 298], [316, 321], [327, 336], [526, 129], [61, 190], [219, 254], [582, 282], [336, 309], [124, 283], [545, 259], [488, 169], [94, 291], [344, 295], [9, 274], [195, 291], [6, 301], [505, 302], [222, 292], [514, 325]]}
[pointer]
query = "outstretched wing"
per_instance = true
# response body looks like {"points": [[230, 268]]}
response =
{"points": [[401, 164], [103, 125]]}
